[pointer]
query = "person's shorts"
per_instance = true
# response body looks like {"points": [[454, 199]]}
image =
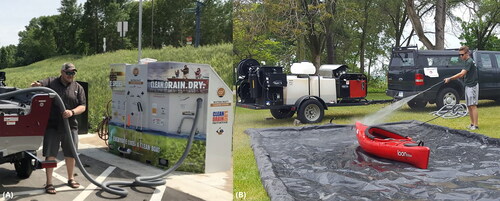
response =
{"points": [[55, 138], [472, 95]]}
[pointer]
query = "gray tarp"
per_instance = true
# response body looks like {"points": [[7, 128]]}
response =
{"points": [[326, 163]]}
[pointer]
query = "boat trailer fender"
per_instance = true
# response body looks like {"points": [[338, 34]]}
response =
{"points": [[299, 101]]}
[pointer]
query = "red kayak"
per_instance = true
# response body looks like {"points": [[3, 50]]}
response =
{"points": [[386, 144]]}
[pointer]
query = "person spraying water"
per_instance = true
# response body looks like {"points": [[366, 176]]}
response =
{"points": [[469, 72]]}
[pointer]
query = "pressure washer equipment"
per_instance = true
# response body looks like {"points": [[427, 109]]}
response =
{"points": [[154, 180]]}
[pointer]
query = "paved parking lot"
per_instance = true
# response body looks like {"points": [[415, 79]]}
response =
{"points": [[179, 186]]}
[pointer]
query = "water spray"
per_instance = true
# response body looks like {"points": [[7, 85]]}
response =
{"points": [[379, 115]]}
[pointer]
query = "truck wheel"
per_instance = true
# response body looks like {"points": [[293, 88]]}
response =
{"points": [[447, 96], [311, 111], [24, 168], [282, 113], [417, 105]]}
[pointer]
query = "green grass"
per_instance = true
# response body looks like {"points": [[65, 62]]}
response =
{"points": [[246, 175], [95, 70]]}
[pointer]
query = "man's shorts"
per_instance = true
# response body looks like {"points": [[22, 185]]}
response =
{"points": [[472, 95], [55, 138]]}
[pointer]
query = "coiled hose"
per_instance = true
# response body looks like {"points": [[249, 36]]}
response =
{"points": [[154, 180], [451, 111], [102, 128]]}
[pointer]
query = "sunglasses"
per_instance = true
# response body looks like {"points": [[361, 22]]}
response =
{"points": [[461, 55], [70, 72]]}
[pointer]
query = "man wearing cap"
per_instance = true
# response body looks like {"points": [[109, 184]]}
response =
{"points": [[74, 100]]}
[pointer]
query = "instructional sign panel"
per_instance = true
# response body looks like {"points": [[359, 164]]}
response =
{"points": [[177, 78], [154, 111]]}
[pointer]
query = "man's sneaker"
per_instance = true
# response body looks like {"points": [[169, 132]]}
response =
{"points": [[472, 127]]}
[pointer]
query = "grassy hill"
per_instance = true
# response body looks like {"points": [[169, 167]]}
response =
{"points": [[95, 70]]}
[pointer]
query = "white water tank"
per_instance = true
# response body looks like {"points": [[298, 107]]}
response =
{"points": [[328, 90], [299, 86], [296, 88], [303, 68]]}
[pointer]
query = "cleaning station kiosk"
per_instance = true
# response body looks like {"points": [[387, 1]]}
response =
{"points": [[153, 110]]}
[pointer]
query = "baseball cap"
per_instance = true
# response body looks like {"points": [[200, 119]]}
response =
{"points": [[68, 67]]}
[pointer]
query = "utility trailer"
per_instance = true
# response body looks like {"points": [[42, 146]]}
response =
{"points": [[23, 120], [303, 91]]}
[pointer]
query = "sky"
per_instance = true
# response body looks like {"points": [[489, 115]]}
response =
{"points": [[16, 14]]}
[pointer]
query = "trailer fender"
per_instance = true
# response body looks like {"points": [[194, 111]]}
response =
{"points": [[304, 98]]}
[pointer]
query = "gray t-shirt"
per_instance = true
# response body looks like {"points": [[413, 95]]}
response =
{"points": [[471, 78]]}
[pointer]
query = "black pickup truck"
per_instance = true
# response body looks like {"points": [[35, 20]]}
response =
{"points": [[412, 71]]}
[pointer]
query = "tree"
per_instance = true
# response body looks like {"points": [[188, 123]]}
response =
{"points": [[440, 19], [398, 18], [250, 29], [303, 22], [68, 22], [480, 32], [38, 41], [217, 22], [7, 56]]}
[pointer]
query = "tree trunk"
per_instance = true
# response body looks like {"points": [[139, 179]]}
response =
{"points": [[330, 49], [316, 45], [317, 62], [362, 46], [417, 25], [440, 20], [370, 63]]}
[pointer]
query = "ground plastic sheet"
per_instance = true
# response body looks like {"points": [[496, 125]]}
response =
{"points": [[326, 163]]}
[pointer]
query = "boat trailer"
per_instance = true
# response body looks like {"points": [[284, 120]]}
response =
{"points": [[23, 119]]}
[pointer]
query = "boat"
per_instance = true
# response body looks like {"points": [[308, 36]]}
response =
{"points": [[387, 144]]}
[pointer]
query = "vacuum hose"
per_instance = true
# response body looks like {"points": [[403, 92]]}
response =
{"points": [[155, 180]]}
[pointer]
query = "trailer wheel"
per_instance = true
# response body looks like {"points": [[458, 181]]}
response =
{"points": [[311, 111], [282, 113], [24, 168], [417, 105], [447, 96]]}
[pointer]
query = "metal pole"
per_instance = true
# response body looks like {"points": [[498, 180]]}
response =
{"points": [[140, 32], [152, 21], [198, 13], [122, 34]]}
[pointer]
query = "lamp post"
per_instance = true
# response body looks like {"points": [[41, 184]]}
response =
{"points": [[140, 32], [197, 31], [197, 11], [152, 21]]}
